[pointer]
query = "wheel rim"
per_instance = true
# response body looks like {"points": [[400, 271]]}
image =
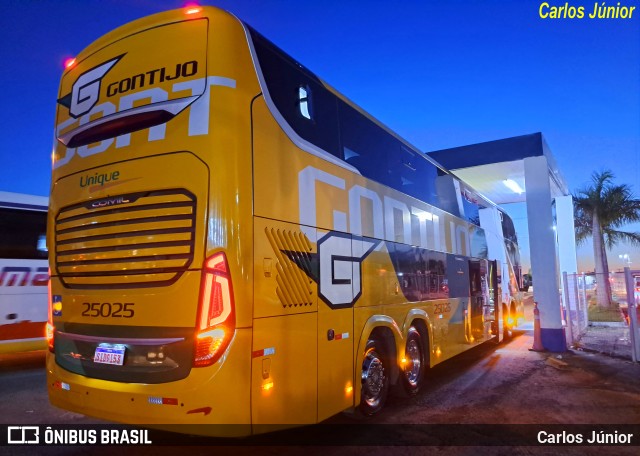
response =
{"points": [[373, 379], [414, 362]]}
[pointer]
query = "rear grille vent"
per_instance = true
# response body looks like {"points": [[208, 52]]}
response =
{"points": [[126, 241]]}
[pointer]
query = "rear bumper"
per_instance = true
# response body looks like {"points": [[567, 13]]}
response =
{"points": [[217, 397]]}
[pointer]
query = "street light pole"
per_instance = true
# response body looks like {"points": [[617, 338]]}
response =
{"points": [[626, 258]]}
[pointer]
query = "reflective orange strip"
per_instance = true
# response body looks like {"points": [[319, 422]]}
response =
{"points": [[22, 330]]}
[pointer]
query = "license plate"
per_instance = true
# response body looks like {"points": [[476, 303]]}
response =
{"points": [[109, 354]]}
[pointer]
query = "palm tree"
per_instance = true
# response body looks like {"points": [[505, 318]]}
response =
{"points": [[601, 209]]}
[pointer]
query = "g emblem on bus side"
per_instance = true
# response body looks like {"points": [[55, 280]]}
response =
{"points": [[340, 275], [337, 267]]}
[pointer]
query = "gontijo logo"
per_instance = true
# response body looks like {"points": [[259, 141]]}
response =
{"points": [[122, 102], [141, 80], [85, 92]]}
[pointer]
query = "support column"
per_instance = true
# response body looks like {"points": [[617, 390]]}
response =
{"points": [[543, 252], [565, 229], [566, 235]]}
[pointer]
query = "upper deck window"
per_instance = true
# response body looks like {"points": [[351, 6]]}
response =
{"points": [[299, 96], [508, 229], [304, 101], [366, 146], [471, 205]]}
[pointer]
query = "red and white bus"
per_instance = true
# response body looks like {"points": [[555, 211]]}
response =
{"points": [[23, 272]]}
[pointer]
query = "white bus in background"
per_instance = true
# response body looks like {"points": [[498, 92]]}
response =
{"points": [[23, 272], [502, 244]]}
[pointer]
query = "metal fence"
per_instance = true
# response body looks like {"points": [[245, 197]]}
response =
{"points": [[601, 312]]}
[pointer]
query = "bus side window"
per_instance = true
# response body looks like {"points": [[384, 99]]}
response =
{"points": [[367, 147], [304, 102], [437, 272], [417, 176], [300, 97], [23, 234]]}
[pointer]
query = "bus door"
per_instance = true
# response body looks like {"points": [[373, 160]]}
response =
{"points": [[459, 300], [339, 287], [482, 303], [474, 308], [285, 324], [493, 309]]}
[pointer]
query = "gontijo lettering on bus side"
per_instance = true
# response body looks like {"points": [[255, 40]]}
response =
{"points": [[430, 228]]}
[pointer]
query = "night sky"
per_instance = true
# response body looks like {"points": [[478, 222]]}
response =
{"points": [[439, 73]]}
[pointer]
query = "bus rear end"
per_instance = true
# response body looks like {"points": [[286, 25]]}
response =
{"points": [[149, 222]]}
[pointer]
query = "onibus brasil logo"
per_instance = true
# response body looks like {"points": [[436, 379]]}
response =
{"points": [[33, 435]]}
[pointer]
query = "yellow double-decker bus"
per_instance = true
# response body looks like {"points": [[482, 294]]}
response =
{"points": [[234, 242]]}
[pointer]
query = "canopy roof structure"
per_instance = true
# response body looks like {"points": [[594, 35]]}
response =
{"points": [[486, 166], [523, 169]]}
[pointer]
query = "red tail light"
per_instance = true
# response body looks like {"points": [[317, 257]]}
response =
{"points": [[49, 329], [216, 317]]}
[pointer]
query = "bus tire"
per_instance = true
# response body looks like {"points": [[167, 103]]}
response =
{"points": [[375, 378], [415, 368]]}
